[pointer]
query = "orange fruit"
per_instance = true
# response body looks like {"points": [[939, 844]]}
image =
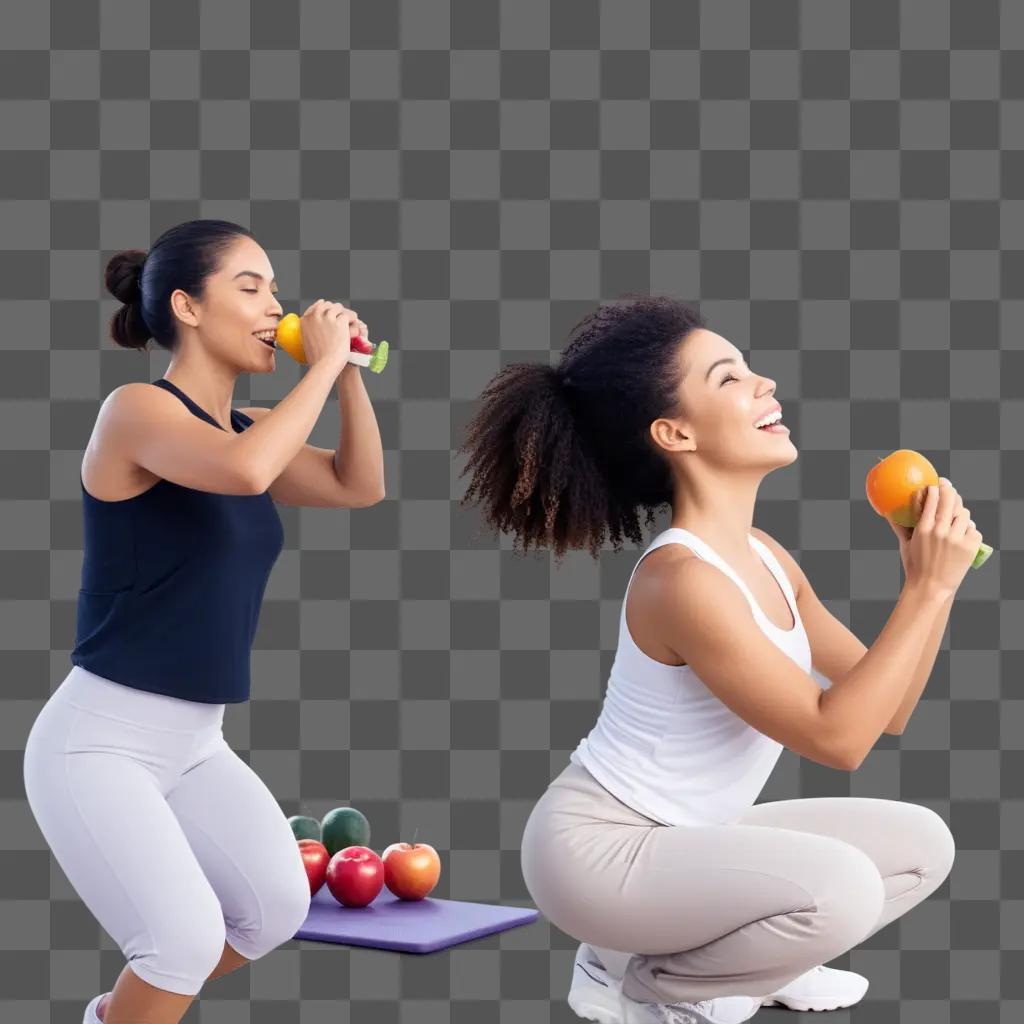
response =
{"points": [[289, 336], [893, 481]]}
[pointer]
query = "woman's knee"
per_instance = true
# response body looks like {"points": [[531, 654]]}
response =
{"points": [[179, 955], [937, 847], [290, 906], [849, 902], [284, 906]]}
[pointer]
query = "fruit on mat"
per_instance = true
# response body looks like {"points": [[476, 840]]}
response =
{"points": [[892, 483], [315, 858], [344, 826], [411, 870], [355, 876], [304, 827]]}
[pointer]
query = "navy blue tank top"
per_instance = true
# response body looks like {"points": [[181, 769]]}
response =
{"points": [[172, 584]]}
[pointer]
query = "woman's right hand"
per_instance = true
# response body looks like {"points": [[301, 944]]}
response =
{"points": [[327, 329], [944, 540]]}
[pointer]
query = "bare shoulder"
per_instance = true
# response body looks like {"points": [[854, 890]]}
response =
{"points": [[108, 472], [786, 560], [138, 404], [132, 399], [142, 395], [652, 584], [131, 407]]}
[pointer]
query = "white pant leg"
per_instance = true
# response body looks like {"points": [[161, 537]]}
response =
{"points": [[246, 847], [95, 785]]}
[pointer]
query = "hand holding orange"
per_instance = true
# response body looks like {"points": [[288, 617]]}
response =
{"points": [[892, 484], [363, 352]]}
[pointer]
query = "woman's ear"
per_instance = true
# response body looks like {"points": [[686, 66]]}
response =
{"points": [[181, 307], [669, 435]]}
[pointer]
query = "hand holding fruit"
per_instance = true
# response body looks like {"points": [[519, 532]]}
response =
{"points": [[896, 489], [944, 542], [326, 330], [904, 533]]}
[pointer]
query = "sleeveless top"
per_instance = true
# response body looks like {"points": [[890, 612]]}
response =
{"points": [[663, 743], [172, 584]]}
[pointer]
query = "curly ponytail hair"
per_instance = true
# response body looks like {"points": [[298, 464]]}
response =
{"points": [[560, 456], [181, 258]]}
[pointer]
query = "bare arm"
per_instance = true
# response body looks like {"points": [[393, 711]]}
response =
{"points": [[836, 650], [707, 621], [924, 668], [359, 460], [859, 705], [270, 444]]}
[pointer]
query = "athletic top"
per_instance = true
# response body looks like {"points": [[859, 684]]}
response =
{"points": [[172, 582], [663, 743]]}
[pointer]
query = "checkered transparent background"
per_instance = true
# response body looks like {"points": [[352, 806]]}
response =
{"points": [[839, 185]]}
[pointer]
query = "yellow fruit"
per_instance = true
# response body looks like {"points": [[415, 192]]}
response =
{"points": [[289, 337]]}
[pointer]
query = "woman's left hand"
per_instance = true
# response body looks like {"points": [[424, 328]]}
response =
{"points": [[351, 369]]}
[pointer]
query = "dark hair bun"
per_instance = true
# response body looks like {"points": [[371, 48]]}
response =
{"points": [[123, 277], [183, 257]]}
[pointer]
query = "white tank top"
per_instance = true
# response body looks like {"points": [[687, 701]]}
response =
{"points": [[663, 743]]}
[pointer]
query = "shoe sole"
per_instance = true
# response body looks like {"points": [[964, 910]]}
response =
{"points": [[603, 1013], [807, 1004], [589, 1010]]}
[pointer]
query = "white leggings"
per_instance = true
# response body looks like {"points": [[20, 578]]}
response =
{"points": [[171, 840]]}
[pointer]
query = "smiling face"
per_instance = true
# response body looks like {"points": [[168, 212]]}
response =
{"points": [[239, 301], [721, 397]]}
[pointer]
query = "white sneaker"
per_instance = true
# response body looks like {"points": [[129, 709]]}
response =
{"points": [[720, 1010], [820, 988], [90, 1011], [594, 993]]}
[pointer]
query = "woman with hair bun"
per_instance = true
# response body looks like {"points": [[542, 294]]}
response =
{"points": [[692, 905], [172, 841]]}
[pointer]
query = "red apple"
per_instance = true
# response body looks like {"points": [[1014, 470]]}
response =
{"points": [[355, 876], [357, 343], [411, 870], [315, 858]]}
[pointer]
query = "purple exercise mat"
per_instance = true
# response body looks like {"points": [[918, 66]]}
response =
{"points": [[414, 926]]}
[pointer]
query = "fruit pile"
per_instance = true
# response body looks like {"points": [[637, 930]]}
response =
{"points": [[337, 851]]}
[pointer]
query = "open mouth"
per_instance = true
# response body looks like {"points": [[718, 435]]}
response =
{"points": [[270, 343], [778, 427]]}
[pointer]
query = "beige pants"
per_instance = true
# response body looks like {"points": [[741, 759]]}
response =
{"points": [[736, 909]]}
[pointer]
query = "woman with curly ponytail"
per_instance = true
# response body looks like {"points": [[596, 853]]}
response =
{"points": [[645, 847], [562, 456]]}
